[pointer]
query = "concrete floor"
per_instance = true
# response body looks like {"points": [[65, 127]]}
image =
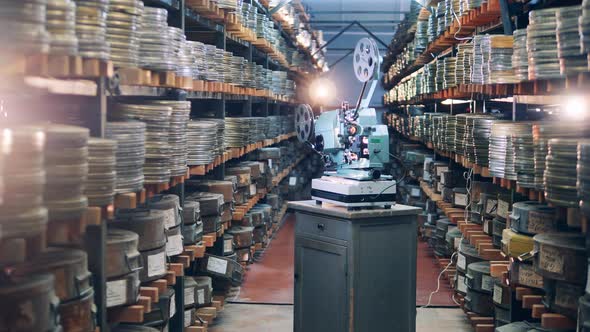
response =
{"points": [[279, 318]]}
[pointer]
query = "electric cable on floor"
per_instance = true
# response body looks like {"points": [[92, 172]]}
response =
{"points": [[468, 175], [438, 284]]}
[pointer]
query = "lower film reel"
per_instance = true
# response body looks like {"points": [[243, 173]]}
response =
{"points": [[304, 122]]}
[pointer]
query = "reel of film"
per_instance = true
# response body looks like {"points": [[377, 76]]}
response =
{"points": [[304, 122], [366, 58]]}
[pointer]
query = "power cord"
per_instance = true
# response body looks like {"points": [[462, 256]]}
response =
{"points": [[396, 181], [460, 26], [438, 283], [468, 178], [403, 166], [467, 175]]}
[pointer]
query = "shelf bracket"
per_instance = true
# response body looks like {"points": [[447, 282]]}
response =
{"points": [[506, 17]]}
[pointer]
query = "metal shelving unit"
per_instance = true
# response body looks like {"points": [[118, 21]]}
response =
{"points": [[92, 96]]}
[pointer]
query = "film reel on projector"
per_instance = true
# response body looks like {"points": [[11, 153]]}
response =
{"points": [[366, 60], [304, 122]]}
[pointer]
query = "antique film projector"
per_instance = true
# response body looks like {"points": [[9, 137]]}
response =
{"points": [[354, 145]]}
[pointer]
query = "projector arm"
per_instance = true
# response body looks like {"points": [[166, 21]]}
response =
{"points": [[365, 103]]}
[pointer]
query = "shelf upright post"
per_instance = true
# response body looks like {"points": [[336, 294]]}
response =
{"points": [[265, 106], [177, 321], [96, 119], [220, 41], [176, 17], [506, 17], [182, 15], [247, 106], [95, 240]]}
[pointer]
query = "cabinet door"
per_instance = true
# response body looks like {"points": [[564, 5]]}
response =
{"points": [[321, 294]]}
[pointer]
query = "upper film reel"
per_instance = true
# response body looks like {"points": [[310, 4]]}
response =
{"points": [[304, 122], [366, 60]]}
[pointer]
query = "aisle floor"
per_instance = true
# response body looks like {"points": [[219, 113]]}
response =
{"points": [[264, 302], [427, 272], [279, 318], [270, 279]]}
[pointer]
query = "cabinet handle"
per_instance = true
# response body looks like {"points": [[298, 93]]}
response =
{"points": [[321, 227]]}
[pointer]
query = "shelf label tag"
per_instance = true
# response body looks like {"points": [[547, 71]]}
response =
{"points": [[200, 296], [461, 262], [189, 296], [174, 245], [169, 218], [550, 259], [461, 286], [116, 292], [528, 277], [217, 265], [156, 264], [490, 205], [540, 222], [172, 306], [502, 210], [487, 283], [497, 294], [187, 318], [460, 199], [228, 246]]}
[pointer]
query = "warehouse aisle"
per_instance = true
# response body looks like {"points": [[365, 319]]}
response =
{"points": [[427, 272], [270, 280], [279, 318]]}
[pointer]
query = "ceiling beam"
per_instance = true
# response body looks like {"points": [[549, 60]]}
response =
{"points": [[353, 23], [350, 21], [378, 12], [348, 48], [359, 33]]}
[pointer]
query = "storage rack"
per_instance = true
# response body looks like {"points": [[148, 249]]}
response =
{"points": [[49, 86], [500, 263], [494, 16], [491, 16]]}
